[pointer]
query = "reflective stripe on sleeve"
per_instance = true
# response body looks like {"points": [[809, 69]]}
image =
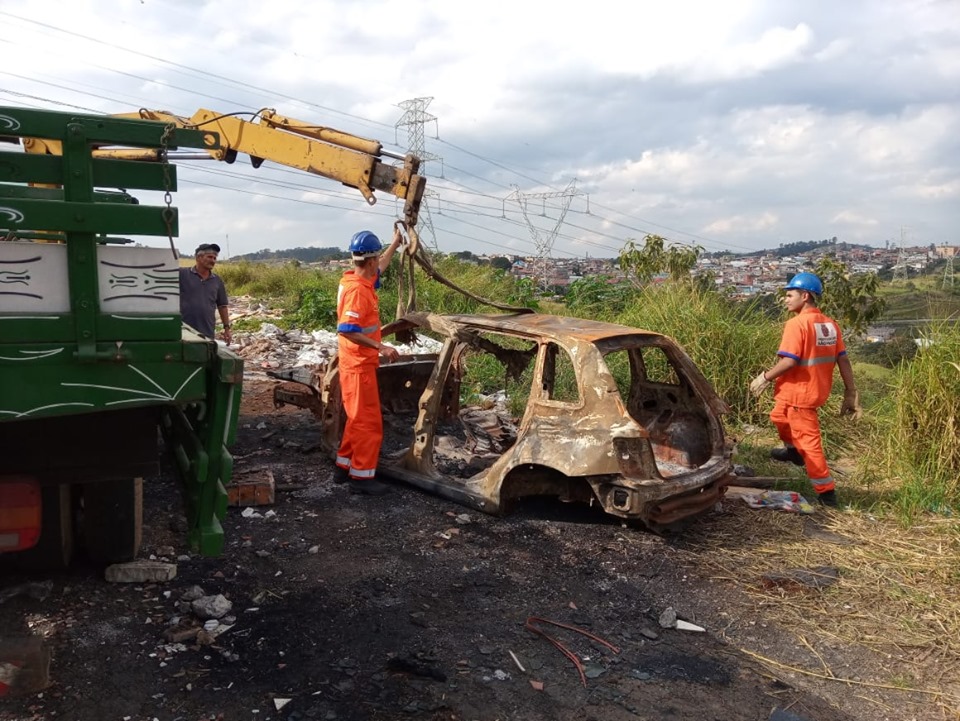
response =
{"points": [[822, 360]]}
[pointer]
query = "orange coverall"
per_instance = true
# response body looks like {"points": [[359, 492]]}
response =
{"points": [[814, 341], [358, 311]]}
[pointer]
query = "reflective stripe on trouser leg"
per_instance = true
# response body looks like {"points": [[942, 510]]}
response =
{"points": [[804, 429], [363, 434]]}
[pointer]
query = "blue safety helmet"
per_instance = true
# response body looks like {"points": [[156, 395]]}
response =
{"points": [[365, 245], [805, 281]]}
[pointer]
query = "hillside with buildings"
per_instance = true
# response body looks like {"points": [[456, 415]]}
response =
{"points": [[760, 272], [743, 275]]}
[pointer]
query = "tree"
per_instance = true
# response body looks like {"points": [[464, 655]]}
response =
{"points": [[851, 299], [657, 257], [501, 263]]}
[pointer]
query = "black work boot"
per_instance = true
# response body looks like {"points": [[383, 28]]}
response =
{"points": [[340, 475], [370, 487], [787, 454], [828, 498]]}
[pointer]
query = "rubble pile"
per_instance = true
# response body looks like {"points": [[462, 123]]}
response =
{"points": [[271, 347]]}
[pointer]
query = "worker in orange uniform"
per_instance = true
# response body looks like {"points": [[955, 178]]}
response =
{"points": [[810, 348], [359, 351]]}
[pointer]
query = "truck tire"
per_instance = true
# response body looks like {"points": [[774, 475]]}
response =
{"points": [[112, 520], [54, 550]]}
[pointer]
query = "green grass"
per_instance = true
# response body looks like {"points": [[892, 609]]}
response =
{"points": [[906, 451], [920, 298], [917, 437]]}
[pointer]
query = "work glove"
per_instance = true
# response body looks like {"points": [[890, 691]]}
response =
{"points": [[851, 405], [758, 385]]}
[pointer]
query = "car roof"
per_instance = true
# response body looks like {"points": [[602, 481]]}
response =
{"points": [[553, 326]]}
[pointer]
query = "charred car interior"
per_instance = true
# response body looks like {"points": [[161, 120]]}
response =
{"points": [[589, 412]]}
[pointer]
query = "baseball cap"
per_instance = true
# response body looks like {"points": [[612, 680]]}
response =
{"points": [[206, 248]]}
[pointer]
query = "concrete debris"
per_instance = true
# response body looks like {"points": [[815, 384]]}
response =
{"points": [[211, 606], [140, 572], [668, 619], [270, 347]]}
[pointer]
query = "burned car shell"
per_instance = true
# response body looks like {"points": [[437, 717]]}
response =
{"points": [[658, 456]]}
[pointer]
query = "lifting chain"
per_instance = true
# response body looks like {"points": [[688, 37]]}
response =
{"points": [[167, 212]]}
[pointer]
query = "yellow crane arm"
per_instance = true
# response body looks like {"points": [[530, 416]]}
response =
{"points": [[354, 161]]}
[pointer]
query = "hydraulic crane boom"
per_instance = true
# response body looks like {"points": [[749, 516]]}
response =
{"points": [[350, 159], [354, 161]]}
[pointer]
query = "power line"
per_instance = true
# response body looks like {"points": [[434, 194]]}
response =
{"points": [[206, 75]]}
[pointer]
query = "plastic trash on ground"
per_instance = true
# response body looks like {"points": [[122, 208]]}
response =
{"points": [[779, 500]]}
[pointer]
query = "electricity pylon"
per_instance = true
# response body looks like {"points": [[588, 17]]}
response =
{"points": [[541, 240], [415, 117]]}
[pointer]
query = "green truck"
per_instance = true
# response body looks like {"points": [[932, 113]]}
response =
{"points": [[96, 366]]}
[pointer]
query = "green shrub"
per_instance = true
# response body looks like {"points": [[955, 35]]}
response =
{"points": [[267, 281], [317, 308]]}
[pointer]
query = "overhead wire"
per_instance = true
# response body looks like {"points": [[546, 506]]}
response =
{"points": [[203, 74], [207, 75], [237, 175]]}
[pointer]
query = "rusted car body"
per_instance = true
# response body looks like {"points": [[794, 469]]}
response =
{"points": [[614, 415]]}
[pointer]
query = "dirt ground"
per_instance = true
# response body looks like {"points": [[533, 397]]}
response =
{"points": [[410, 607]]}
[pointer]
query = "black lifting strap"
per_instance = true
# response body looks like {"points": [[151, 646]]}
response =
{"points": [[414, 253]]}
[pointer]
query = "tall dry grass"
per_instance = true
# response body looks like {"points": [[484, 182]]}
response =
{"points": [[730, 342]]}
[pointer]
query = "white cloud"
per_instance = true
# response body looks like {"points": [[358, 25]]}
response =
{"points": [[723, 124], [742, 224], [852, 218]]}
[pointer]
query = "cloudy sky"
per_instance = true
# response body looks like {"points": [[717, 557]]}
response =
{"points": [[734, 125]]}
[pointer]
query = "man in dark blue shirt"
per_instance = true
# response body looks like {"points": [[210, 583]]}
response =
{"points": [[202, 294]]}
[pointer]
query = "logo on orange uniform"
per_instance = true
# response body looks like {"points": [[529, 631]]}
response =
{"points": [[826, 334]]}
